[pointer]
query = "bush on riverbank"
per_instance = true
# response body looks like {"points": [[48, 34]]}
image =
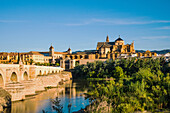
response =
{"points": [[137, 85]]}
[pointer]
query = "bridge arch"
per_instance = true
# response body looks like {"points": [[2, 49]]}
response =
{"points": [[14, 77], [1, 80], [45, 73], [25, 76], [40, 73]]}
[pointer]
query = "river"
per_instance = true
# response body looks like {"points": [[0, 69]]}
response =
{"points": [[70, 92]]}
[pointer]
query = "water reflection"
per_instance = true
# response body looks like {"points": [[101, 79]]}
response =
{"points": [[69, 92]]}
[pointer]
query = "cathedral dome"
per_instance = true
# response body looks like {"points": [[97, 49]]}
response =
{"points": [[119, 39]]}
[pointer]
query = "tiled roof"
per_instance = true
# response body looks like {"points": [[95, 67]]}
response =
{"points": [[60, 53], [54, 52], [29, 53], [34, 53], [10, 54], [4, 54], [147, 51], [80, 53], [13, 54], [105, 44]]}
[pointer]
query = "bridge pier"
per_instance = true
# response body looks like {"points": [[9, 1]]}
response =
{"points": [[19, 80]]}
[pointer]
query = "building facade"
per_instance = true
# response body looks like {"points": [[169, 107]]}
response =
{"points": [[31, 57], [105, 50]]}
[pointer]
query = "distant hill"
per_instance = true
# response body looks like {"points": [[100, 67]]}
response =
{"points": [[86, 51], [140, 51], [156, 51], [77, 51]]}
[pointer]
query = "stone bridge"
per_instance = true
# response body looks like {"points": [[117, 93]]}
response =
{"points": [[10, 73]]}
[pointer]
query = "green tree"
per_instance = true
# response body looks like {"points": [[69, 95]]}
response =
{"points": [[31, 61]]}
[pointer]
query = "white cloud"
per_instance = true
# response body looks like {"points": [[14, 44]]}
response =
{"points": [[117, 22], [156, 37], [165, 27], [78, 24], [11, 21]]}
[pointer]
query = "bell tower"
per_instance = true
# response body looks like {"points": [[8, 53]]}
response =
{"points": [[132, 47], [69, 51], [107, 38], [51, 50]]}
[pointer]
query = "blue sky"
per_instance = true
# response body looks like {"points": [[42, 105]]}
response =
{"points": [[32, 25]]}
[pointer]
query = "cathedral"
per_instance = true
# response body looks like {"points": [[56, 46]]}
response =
{"points": [[104, 50], [115, 47]]}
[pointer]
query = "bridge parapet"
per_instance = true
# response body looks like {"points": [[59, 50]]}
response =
{"points": [[18, 73]]}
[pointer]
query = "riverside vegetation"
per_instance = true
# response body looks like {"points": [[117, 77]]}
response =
{"points": [[133, 85]]}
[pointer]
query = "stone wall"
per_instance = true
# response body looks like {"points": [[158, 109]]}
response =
{"points": [[84, 61], [5, 99], [19, 90]]}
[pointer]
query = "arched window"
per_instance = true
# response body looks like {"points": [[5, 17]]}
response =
{"points": [[40, 73], [44, 72]]}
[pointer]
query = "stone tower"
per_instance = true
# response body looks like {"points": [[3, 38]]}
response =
{"points": [[69, 51], [107, 38], [51, 51]]}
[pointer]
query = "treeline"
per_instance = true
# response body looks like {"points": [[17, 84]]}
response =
{"points": [[137, 85], [125, 67]]}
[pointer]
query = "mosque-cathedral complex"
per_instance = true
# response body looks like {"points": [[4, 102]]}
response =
{"points": [[68, 60]]}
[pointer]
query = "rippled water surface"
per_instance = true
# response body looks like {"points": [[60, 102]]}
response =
{"points": [[70, 92]]}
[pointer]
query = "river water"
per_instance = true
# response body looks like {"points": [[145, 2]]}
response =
{"points": [[70, 92]]}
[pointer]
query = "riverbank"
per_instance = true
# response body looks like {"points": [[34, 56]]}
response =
{"points": [[104, 91], [5, 99], [20, 90], [103, 107], [137, 85], [68, 92], [27, 89]]}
